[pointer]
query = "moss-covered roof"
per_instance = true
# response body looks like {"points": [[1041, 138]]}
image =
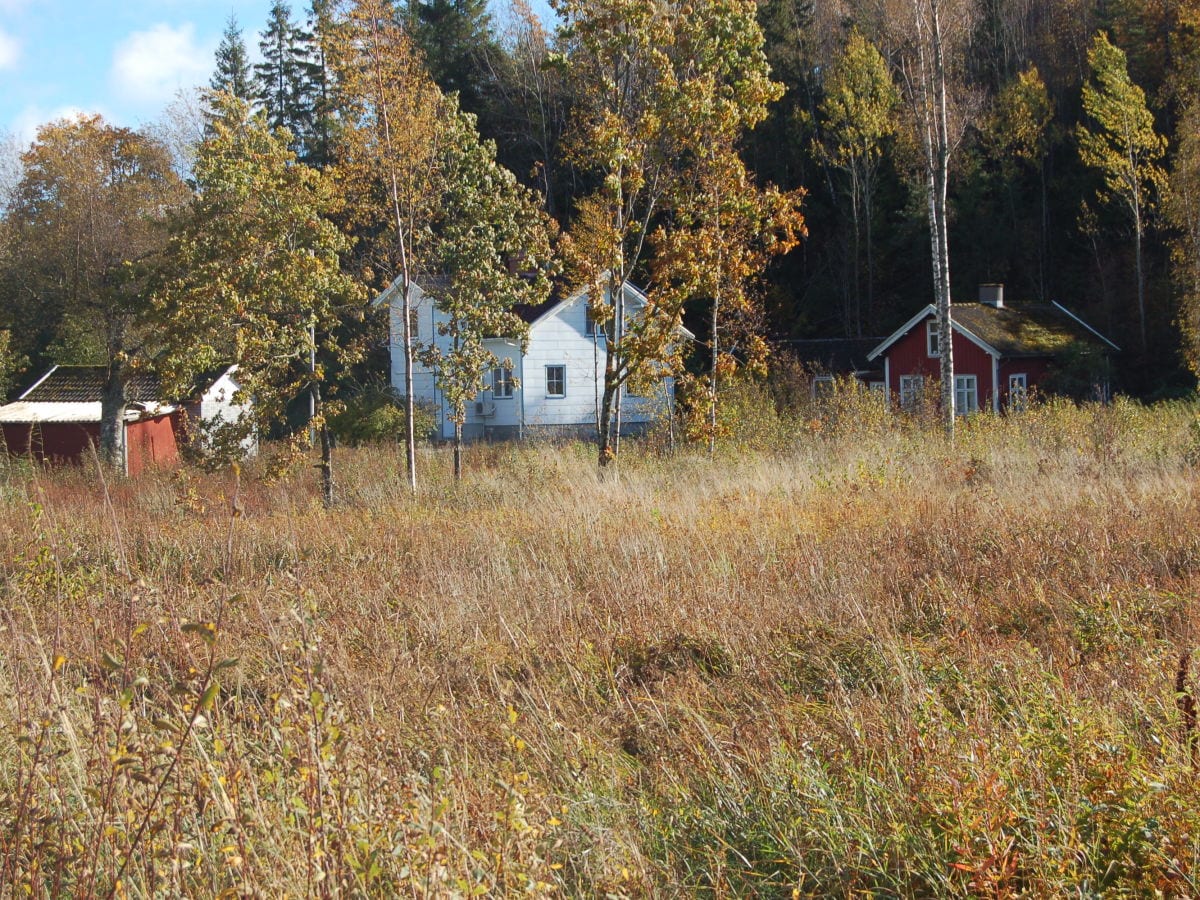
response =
{"points": [[1026, 330]]}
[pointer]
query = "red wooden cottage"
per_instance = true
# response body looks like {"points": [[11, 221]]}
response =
{"points": [[58, 418], [1000, 352]]}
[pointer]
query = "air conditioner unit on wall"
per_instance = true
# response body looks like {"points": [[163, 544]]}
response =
{"points": [[485, 409]]}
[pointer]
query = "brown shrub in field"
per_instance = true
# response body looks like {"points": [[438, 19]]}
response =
{"points": [[856, 661]]}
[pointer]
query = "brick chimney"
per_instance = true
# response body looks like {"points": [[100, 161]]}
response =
{"points": [[992, 295]]}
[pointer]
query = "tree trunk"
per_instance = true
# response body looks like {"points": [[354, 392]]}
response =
{"points": [[868, 214], [327, 486], [607, 453], [939, 159], [713, 381], [458, 448], [410, 406], [1141, 281], [326, 464], [112, 418]]}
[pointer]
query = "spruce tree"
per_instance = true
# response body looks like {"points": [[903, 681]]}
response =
{"points": [[455, 37], [232, 74], [280, 77]]}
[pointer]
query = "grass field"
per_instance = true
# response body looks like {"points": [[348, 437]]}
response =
{"points": [[840, 659]]}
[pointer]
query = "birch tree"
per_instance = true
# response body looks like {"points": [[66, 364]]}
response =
{"points": [[930, 38], [388, 158], [1122, 144], [858, 112], [654, 84], [491, 248]]}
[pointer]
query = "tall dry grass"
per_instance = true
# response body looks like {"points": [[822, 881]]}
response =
{"points": [[840, 658]]}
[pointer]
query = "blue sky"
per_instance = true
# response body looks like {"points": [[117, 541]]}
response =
{"points": [[124, 59]]}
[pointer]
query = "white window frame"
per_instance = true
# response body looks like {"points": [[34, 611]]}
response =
{"points": [[414, 323], [877, 387], [912, 388], [932, 344], [502, 383], [966, 394], [823, 386], [562, 380], [1018, 391]]}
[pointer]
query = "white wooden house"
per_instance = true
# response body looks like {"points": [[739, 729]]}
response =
{"points": [[554, 386]]}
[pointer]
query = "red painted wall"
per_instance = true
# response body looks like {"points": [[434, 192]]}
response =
{"points": [[55, 442], [150, 442], [909, 356]]}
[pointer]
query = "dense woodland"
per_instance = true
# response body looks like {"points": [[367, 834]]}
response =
{"points": [[770, 172]]}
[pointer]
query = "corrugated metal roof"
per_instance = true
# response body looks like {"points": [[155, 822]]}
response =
{"points": [[24, 412]]}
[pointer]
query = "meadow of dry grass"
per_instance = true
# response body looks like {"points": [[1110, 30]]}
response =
{"points": [[846, 661]]}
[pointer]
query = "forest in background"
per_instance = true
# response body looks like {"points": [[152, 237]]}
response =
{"points": [[1029, 205]]}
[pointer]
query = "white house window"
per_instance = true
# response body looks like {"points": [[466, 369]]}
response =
{"points": [[414, 323], [877, 387], [932, 347], [556, 381], [911, 389], [1018, 391], [966, 394], [502, 382]]}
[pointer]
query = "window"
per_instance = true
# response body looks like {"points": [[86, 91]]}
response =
{"points": [[556, 381], [502, 382], [1018, 392], [414, 323], [591, 327], [912, 388], [966, 394], [822, 386], [931, 338], [877, 387]]}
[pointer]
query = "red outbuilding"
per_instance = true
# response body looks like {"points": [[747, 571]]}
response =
{"points": [[58, 418], [1001, 353]]}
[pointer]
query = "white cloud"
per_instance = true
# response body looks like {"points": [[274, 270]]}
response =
{"points": [[150, 66], [31, 118], [10, 51]]}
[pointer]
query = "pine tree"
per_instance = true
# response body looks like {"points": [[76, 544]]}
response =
{"points": [[233, 64], [318, 85]]}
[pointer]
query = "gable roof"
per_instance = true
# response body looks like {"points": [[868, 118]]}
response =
{"points": [[1011, 332], [85, 384], [530, 313]]}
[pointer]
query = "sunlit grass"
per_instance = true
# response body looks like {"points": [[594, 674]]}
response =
{"points": [[839, 658]]}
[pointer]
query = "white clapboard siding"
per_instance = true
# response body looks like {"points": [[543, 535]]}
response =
{"points": [[558, 338]]}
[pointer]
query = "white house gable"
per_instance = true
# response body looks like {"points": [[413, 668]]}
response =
{"points": [[556, 383]]}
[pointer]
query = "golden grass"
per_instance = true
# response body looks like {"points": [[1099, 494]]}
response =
{"points": [[853, 661]]}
